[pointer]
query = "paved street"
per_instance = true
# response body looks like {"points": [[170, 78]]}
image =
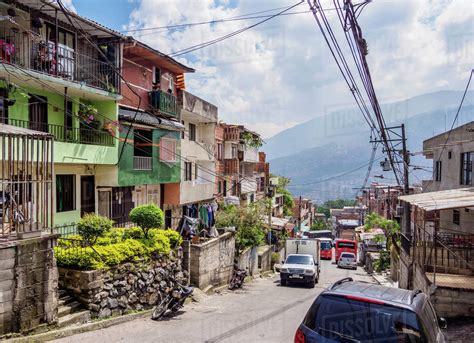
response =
{"points": [[263, 311]]}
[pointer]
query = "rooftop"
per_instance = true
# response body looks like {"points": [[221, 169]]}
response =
{"points": [[442, 200]]}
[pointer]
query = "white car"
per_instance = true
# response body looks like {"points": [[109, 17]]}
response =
{"points": [[347, 260], [299, 268]]}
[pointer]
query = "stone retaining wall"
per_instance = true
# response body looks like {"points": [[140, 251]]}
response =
{"points": [[264, 258], [129, 286], [28, 284]]}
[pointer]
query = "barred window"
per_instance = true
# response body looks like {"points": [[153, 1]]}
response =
{"points": [[168, 150]]}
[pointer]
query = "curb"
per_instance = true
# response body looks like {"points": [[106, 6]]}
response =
{"points": [[69, 331]]}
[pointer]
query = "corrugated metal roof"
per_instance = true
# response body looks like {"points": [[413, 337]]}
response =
{"points": [[9, 129], [141, 117], [442, 200]]}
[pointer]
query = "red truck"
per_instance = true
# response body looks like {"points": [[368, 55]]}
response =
{"points": [[345, 245]]}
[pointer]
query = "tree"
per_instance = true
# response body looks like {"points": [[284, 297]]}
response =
{"points": [[93, 226], [390, 228], [319, 225], [338, 203], [147, 217]]}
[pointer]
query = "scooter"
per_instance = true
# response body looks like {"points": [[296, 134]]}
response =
{"points": [[237, 278], [173, 301]]}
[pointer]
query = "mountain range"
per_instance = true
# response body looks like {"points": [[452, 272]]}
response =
{"points": [[328, 156]]}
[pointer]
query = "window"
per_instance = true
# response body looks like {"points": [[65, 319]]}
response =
{"points": [[437, 171], [4, 105], [142, 140], [168, 150], [188, 171], [196, 169], [450, 154], [171, 84], [456, 217], [219, 187], [220, 151], [65, 193], [234, 151], [466, 168], [192, 132], [38, 112], [182, 132], [156, 75]]}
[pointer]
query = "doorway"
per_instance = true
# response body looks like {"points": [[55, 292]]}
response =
{"points": [[87, 195]]}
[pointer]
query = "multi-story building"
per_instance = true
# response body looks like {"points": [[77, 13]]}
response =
{"points": [[55, 78], [262, 170], [437, 233], [150, 157], [303, 213]]}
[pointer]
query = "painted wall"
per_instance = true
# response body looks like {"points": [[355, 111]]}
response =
{"points": [[161, 172], [68, 152]]}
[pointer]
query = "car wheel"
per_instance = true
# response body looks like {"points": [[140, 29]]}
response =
{"points": [[283, 282], [312, 283]]}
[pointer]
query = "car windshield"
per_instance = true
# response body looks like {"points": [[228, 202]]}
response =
{"points": [[325, 245], [347, 255], [342, 319], [298, 259]]}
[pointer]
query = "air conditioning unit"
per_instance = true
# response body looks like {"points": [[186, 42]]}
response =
{"points": [[399, 211]]}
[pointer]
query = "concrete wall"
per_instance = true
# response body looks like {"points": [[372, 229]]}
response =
{"points": [[264, 258], [28, 284], [211, 263], [248, 260]]}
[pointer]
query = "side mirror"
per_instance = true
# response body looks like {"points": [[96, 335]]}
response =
{"points": [[443, 324]]}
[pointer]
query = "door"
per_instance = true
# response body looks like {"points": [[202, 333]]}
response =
{"points": [[104, 203], [122, 204], [38, 113], [87, 194]]}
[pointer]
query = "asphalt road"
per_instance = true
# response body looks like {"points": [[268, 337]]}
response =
{"points": [[262, 311]]}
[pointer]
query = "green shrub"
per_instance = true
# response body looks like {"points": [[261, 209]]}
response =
{"points": [[116, 246], [249, 236], [275, 258], [383, 263], [147, 217], [93, 226]]}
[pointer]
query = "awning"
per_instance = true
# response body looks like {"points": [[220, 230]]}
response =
{"points": [[442, 200], [6, 129], [140, 117]]}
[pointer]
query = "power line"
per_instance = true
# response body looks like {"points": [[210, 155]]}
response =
{"points": [[232, 34], [337, 176]]}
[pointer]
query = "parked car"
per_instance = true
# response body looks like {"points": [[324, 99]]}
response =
{"points": [[300, 269], [354, 311], [347, 260]]}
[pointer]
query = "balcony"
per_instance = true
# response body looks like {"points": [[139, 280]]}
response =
{"points": [[142, 163], [232, 133], [248, 186], [248, 154], [66, 134], [62, 61], [163, 102], [206, 111]]}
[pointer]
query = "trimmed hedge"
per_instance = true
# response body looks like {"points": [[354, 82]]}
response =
{"points": [[115, 247]]}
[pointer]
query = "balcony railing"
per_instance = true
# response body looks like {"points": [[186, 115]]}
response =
{"points": [[66, 134], [163, 102], [62, 61], [142, 163]]}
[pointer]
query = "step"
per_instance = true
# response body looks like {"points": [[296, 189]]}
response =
{"points": [[62, 293], [64, 300], [69, 308], [80, 317]]}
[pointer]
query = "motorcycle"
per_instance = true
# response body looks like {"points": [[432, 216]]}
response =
{"points": [[173, 301], [237, 278]]}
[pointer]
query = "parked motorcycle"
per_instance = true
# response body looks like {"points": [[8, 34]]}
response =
{"points": [[237, 278], [173, 301]]}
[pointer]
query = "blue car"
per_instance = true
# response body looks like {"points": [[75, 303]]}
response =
{"points": [[353, 311]]}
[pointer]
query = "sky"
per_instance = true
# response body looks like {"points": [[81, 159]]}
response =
{"points": [[281, 73]]}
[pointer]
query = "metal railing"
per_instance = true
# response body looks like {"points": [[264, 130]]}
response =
{"points": [[164, 102], [142, 163], [66, 134], [28, 51]]}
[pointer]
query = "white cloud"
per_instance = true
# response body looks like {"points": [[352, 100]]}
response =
{"points": [[69, 5], [281, 73]]}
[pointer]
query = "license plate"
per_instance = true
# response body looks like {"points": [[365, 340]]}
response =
{"points": [[295, 276]]}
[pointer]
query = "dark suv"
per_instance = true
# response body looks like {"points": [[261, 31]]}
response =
{"points": [[353, 311]]}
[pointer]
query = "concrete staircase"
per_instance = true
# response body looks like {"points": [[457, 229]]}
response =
{"points": [[71, 311]]}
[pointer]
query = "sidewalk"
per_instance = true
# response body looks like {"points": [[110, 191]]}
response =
{"points": [[384, 280]]}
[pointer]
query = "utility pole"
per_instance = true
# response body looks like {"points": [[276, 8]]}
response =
{"points": [[299, 215], [406, 183]]}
